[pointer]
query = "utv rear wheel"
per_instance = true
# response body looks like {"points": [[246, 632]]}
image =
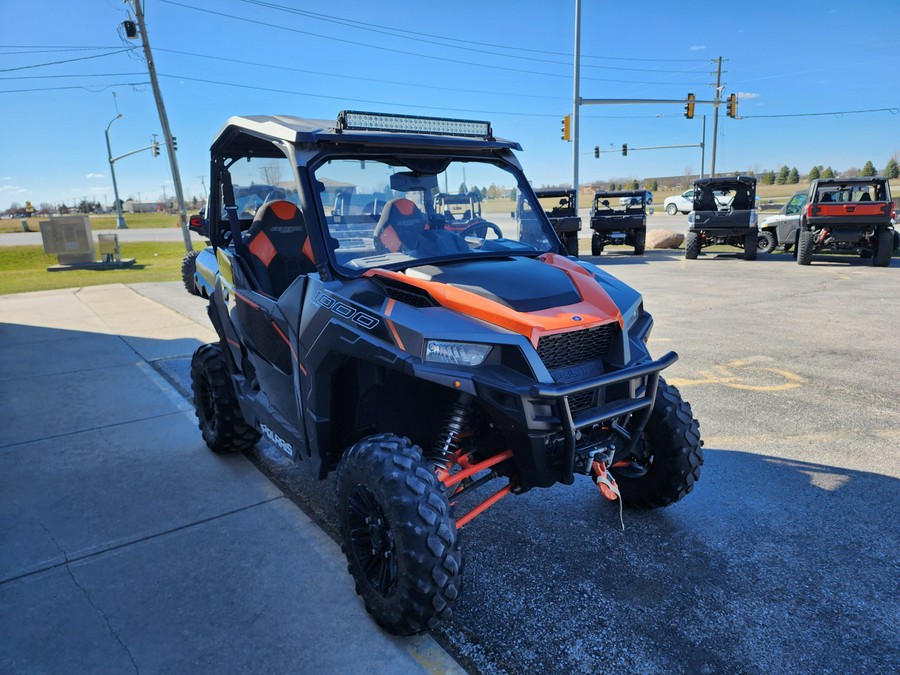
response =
{"points": [[640, 240], [883, 249], [216, 404], [671, 457], [766, 242], [596, 245], [805, 242], [188, 269], [400, 540], [572, 244], [751, 244], [691, 245]]}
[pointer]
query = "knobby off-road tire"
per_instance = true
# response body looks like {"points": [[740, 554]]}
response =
{"points": [[572, 244], [400, 540], [883, 249], [188, 268], [596, 245], [691, 245], [805, 242], [751, 245], [766, 242], [671, 442], [640, 241], [216, 405]]}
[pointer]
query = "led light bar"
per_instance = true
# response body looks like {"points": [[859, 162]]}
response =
{"points": [[442, 126]]}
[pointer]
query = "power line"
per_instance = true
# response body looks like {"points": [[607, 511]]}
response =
{"points": [[444, 41], [390, 49], [481, 43], [54, 63], [48, 77], [836, 113], [85, 88], [55, 47]]}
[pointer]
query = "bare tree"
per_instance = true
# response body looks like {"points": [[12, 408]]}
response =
{"points": [[271, 174]]}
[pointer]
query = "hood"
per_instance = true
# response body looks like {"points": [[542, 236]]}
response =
{"points": [[531, 296]]}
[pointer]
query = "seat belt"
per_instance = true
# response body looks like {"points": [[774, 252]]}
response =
{"points": [[231, 212]]}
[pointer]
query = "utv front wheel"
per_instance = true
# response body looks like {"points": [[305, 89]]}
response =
{"points": [[216, 404], [669, 455], [188, 269], [766, 242], [596, 245], [401, 543], [691, 245]]}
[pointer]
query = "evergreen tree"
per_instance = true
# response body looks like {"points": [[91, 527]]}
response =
{"points": [[828, 172], [462, 188], [767, 178], [783, 175], [635, 185], [868, 169], [654, 186], [891, 170], [813, 173], [793, 176]]}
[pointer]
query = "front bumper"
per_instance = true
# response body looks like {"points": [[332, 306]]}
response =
{"points": [[546, 435]]}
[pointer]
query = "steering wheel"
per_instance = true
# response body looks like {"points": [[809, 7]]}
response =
{"points": [[482, 225]]}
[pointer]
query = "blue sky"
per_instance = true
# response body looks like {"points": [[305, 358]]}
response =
{"points": [[507, 62]]}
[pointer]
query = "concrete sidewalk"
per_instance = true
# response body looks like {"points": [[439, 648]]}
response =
{"points": [[125, 545]]}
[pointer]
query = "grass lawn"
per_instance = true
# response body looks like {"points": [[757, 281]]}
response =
{"points": [[134, 221], [24, 268]]}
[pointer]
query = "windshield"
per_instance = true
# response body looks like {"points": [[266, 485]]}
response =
{"points": [[381, 213]]}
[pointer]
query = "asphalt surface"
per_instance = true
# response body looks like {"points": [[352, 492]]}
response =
{"points": [[783, 559]]}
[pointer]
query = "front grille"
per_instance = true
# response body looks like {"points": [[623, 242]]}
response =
{"points": [[414, 298], [564, 350], [580, 402]]}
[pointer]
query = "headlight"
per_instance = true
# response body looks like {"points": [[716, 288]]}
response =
{"points": [[456, 353]]}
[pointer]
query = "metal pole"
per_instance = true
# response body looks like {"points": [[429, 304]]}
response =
{"points": [[164, 123], [576, 101], [716, 116], [703, 149], [120, 220]]}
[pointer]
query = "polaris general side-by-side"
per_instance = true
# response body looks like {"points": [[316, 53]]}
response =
{"points": [[724, 213], [418, 363]]}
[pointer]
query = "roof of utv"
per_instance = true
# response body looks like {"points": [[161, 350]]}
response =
{"points": [[404, 132], [724, 180], [849, 181]]}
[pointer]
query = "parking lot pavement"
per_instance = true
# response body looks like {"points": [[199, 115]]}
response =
{"points": [[783, 559], [128, 546]]}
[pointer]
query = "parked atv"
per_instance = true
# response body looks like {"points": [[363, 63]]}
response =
{"points": [[724, 213], [420, 364], [559, 206], [625, 224], [459, 210]]}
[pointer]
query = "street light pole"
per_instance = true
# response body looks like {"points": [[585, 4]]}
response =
{"points": [[120, 220]]}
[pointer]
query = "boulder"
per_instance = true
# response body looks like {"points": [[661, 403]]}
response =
{"points": [[664, 239]]}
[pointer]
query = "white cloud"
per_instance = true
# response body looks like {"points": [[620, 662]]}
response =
{"points": [[747, 95], [697, 48], [95, 175], [12, 189]]}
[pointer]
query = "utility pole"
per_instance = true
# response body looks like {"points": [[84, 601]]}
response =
{"points": [[712, 172], [164, 123], [165, 200], [703, 148], [576, 101]]}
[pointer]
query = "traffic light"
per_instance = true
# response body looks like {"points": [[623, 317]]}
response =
{"points": [[624, 149], [154, 148], [689, 108], [596, 152], [732, 105], [566, 128], [174, 143]]}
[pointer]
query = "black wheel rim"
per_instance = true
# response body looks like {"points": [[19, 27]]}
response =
{"points": [[372, 541]]}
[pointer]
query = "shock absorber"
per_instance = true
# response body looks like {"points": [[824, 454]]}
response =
{"points": [[444, 451]]}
